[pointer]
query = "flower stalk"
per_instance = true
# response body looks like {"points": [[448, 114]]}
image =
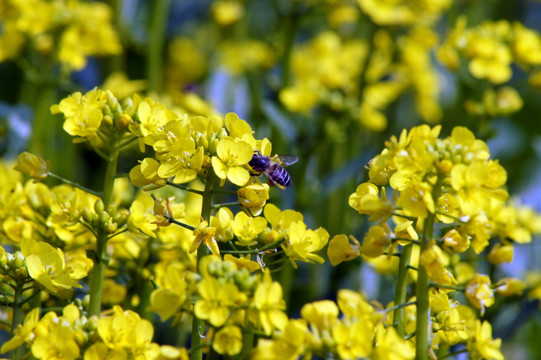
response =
{"points": [[198, 325], [401, 290], [98, 271]]}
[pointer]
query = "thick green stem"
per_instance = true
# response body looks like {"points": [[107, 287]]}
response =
{"points": [[96, 278], [247, 340], [198, 325], [156, 42], [423, 326], [17, 318], [401, 290], [110, 175], [98, 271]]}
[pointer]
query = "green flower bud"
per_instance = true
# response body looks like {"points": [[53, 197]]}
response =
{"points": [[99, 207]]}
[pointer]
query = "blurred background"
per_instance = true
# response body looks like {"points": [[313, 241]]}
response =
{"points": [[328, 81]]}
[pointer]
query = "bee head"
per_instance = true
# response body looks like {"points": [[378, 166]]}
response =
{"points": [[259, 162]]}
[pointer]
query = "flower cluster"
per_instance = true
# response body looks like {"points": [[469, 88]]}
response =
{"points": [[72, 335], [403, 12], [77, 30], [360, 332], [449, 187], [327, 68], [491, 48]]}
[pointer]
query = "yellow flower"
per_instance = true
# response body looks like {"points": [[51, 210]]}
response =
{"points": [[32, 165], [354, 305], [303, 243], [217, 300], [166, 301], [391, 346], [253, 197], [228, 340], [501, 253], [375, 241], [125, 330], [341, 250], [298, 98], [353, 340], [226, 13], [511, 287], [246, 228], [100, 351], [390, 12], [477, 183], [83, 113], [479, 292], [179, 155], [205, 234], [90, 32], [281, 220], [434, 260], [526, 45], [222, 221], [141, 220], [481, 345], [22, 333], [47, 266], [366, 200], [57, 343], [322, 317], [287, 345], [456, 240], [233, 156], [146, 173], [269, 305]]}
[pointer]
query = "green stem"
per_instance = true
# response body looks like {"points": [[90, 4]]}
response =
{"points": [[186, 226], [247, 339], [98, 271], [17, 317], [110, 175], [423, 327], [198, 325], [401, 290], [156, 42], [185, 188], [96, 278], [233, 203], [74, 184]]}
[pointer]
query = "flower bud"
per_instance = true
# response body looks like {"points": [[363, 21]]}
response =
{"points": [[99, 207], [32, 165], [121, 217], [110, 227], [17, 260], [123, 121]]}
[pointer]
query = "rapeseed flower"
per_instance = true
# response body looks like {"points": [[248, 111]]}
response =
{"points": [[480, 293], [217, 300], [228, 340], [47, 265], [269, 305], [231, 160]]}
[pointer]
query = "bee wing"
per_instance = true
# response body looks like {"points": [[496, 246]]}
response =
{"points": [[287, 160]]}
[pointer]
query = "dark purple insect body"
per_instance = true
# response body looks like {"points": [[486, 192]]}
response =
{"points": [[272, 168]]}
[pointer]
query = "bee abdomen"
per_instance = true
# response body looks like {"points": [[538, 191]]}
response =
{"points": [[279, 175]]}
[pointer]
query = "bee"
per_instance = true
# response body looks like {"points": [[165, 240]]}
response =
{"points": [[272, 168]]}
